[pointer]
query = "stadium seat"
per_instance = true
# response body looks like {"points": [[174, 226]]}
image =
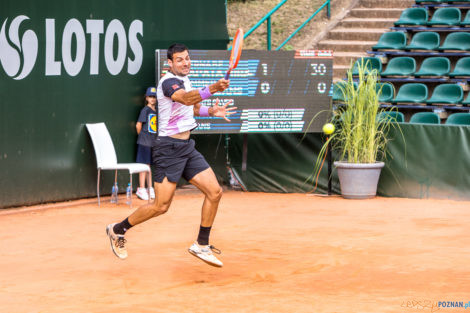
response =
{"points": [[446, 93], [370, 63], [434, 66], [467, 100], [412, 93], [466, 20], [400, 66], [425, 118], [391, 40], [446, 16], [428, 1], [458, 119], [387, 92], [338, 90], [394, 116], [424, 41], [456, 41], [413, 16], [462, 67]]}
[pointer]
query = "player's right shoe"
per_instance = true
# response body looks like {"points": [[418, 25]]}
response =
{"points": [[118, 243], [205, 254]]}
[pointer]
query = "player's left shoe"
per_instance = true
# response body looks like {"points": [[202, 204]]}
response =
{"points": [[118, 243], [205, 254]]}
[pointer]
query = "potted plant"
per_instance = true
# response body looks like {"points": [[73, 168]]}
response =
{"points": [[360, 135]]}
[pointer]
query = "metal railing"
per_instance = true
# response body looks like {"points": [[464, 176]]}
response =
{"points": [[267, 18]]}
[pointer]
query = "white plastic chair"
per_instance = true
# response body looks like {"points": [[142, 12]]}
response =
{"points": [[106, 156]]}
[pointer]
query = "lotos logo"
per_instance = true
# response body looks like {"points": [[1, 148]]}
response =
{"points": [[23, 52], [77, 41]]}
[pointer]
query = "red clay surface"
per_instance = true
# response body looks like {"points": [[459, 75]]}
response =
{"points": [[282, 253]]}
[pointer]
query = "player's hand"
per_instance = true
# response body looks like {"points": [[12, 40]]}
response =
{"points": [[223, 111], [222, 84]]}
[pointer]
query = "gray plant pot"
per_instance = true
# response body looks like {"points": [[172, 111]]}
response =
{"points": [[359, 180]]}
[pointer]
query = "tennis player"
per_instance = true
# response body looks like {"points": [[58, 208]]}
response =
{"points": [[174, 155]]}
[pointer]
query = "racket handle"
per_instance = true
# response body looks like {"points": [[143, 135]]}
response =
{"points": [[227, 75]]}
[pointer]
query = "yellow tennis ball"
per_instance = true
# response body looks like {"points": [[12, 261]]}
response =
{"points": [[328, 128]]}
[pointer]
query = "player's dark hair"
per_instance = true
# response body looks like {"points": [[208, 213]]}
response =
{"points": [[175, 48]]}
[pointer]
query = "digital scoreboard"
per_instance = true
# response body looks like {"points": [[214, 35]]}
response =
{"points": [[274, 91]]}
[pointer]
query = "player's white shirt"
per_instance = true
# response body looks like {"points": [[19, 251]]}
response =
{"points": [[174, 117]]}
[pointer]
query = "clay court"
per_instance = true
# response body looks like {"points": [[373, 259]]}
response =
{"points": [[281, 253]]}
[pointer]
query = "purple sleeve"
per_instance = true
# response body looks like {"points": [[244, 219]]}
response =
{"points": [[171, 85]]}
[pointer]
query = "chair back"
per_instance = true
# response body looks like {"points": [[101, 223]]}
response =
{"points": [[103, 145]]}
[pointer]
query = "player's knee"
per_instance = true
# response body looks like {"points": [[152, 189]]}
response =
{"points": [[159, 209], [215, 195]]}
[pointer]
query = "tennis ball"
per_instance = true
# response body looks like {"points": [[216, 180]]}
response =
{"points": [[328, 128]]}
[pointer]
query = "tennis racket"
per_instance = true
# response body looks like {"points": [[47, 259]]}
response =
{"points": [[236, 51]]}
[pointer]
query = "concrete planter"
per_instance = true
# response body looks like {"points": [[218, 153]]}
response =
{"points": [[358, 180]]}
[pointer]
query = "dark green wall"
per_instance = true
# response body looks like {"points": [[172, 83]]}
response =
{"points": [[424, 161], [45, 152]]}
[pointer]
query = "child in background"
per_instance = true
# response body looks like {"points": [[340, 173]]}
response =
{"points": [[146, 127]]}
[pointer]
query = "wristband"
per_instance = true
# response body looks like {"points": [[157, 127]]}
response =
{"points": [[204, 92], [204, 110]]}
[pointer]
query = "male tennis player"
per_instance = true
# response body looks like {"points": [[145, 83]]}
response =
{"points": [[174, 155]]}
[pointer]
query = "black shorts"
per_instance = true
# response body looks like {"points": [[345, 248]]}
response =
{"points": [[175, 158]]}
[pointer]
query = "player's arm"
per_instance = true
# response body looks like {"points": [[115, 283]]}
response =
{"points": [[174, 89]]}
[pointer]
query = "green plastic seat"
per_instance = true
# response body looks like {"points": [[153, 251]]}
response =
{"points": [[394, 116], [446, 16], [446, 93], [386, 92], [458, 119], [425, 118], [428, 1], [456, 41], [413, 16], [371, 63], [412, 93], [338, 90], [462, 67], [434, 66], [338, 94], [466, 20], [424, 41], [391, 40], [400, 66], [467, 100]]}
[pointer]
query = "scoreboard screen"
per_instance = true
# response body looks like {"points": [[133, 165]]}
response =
{"points": [[274, 91]]}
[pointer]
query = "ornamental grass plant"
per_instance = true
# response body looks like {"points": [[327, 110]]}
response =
{"points": [[361, 125]]}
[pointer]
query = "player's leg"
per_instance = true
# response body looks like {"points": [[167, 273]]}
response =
{"points": [[199, 173], [208, 184], [169, 164], [165, 190]]}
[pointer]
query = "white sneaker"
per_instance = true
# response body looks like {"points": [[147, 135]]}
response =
{"points": [[142, 193], [205, 254], [152, 193], [117, 242]]}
